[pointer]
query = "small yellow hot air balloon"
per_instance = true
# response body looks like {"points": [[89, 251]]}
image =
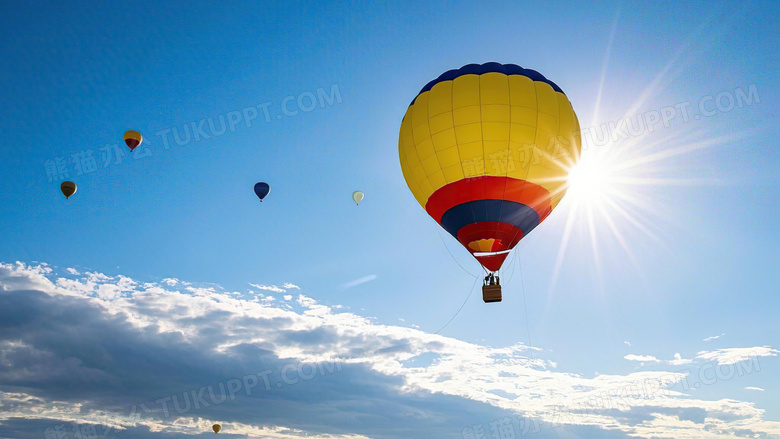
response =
{"points": [[68, 188], [133, 139], [358, 197], [216, 428]]}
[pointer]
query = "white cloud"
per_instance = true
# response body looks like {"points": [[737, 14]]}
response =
{"points": [[736, 355], [679, 360], [24, 406], [628, 343], [273, 288], [20, 276], [290, 286], [72, 271], [377, 356], [715, 337], [643, 358], [171, 281], [357, 282], [754, 388]]}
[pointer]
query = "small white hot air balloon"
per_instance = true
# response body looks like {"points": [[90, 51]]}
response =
{"points": [[357, 196]]}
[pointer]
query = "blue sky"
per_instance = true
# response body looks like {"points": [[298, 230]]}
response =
{"points": [[163, 274]]}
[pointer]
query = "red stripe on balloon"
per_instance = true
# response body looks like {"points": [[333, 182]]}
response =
{"points": [[492, 262], [489, 188], [506, 235]]}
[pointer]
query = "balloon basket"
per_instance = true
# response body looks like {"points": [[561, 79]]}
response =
{"points": [[491, 293]]}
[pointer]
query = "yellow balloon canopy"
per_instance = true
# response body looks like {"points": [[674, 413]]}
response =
{"points": [[216, 428], [486, 150]]}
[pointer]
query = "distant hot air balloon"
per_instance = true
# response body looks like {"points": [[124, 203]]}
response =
{"points": [[216, 428], [486, 149], [357, 196], [261, 190], [68, 188], [133, 139]]}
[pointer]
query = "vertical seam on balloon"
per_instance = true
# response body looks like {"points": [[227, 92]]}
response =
{"points": [[414, 144], [430, 136], [455, 132], [525, 179], [506, 174], [558, 188], [482, 140]]}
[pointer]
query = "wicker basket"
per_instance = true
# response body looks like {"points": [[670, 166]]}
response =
{"points": [[491, 293]]}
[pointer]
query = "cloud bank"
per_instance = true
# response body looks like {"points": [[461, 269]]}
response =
{"points": [[112, 354]]}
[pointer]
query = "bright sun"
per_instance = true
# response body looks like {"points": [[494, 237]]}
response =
{"points": [[611, 193], [589, 181]]}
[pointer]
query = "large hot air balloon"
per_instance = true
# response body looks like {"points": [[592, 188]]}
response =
{"points": [[133, 139], [68, 188], [485, 150], [216, 428], [357, 197], [261, 190]]}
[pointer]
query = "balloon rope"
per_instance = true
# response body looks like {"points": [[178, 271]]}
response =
{"points": [[452, 256], [476, 278], [471, 291], [512, 264], [527, 327]]}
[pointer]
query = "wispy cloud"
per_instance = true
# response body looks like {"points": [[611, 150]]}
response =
{"points": [[272, 288], [643, 358], [735, 355], [357, 282], [754, 388], [290, 286], [714, 337], [627, 343]]}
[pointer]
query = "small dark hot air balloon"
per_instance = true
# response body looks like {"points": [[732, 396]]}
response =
{"points": [[216, 428], [261, 190], [68, 188]]}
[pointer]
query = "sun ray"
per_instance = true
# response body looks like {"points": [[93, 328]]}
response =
{"points": [[605, 63], [624, 245], [595, 247], [669, 153], [561, 253], [611, 192], [655, 85]]}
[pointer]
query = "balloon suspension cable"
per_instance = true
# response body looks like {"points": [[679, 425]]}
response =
{"points": [[471, 291], [453, 257], [476, 279], [512, 264]]}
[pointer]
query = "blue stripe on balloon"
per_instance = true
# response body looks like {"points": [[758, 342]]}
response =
{"points": [[501, 211], [491, 67]]}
